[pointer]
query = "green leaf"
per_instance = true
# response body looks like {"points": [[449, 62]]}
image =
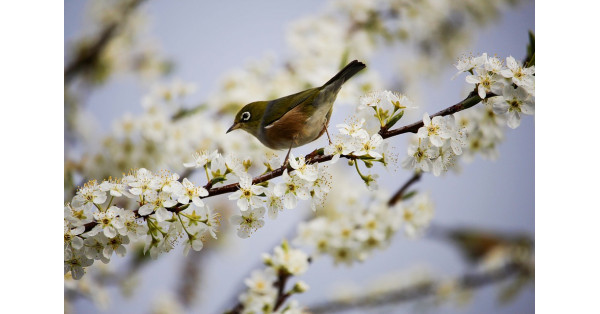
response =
{"points": [[393, 120], [530, 58]]}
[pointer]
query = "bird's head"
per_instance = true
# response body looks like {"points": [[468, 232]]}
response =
{"points": [[249, 117]]}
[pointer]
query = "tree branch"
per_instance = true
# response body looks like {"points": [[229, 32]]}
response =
{"points": [[421, 290], [398, 196], [318, 156], [90, 56]]}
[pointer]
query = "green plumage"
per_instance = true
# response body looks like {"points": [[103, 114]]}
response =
{"points": [[297, 119]]}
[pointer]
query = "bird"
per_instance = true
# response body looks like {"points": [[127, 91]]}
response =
{"points": [[294, 120]]}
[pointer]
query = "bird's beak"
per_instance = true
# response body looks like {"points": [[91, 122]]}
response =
{"points": [[233, 127]]}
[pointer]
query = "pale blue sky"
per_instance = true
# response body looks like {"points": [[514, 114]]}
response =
{"points": [[208, 38]]}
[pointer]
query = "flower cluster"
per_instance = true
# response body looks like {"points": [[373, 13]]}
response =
{"points": [[513, 85], [304, 182], [438, 143], [441, 140], [262, 295], [98, 222], [354, 230]]}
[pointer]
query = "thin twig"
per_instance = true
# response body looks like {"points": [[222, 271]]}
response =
{"points": [[398, 196]]}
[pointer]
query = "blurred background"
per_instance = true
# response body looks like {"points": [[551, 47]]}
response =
{"points": [[222, 55]]}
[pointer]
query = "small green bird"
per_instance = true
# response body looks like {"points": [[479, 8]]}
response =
{"points": [[297, 119]]}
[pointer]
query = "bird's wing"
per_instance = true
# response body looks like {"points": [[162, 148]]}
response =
{"points": [[279, 107]]}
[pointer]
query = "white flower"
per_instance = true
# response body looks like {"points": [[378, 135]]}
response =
{"points": [[417, 215], [371, 99], [302, 170], [94, 247], [158, 203], [74, 262], [247, 194], [399, 101], [249, 221], [107, 222], [341, 145], [262, 282], [435, 129], [513, 102], [190, 192], [468, 63], [486, 82], [273, 203], [194, 241], [445, 161], [115, 245], [520, 76], [369, 146], [141, 184], [493, 64], [293, 261], [71, 236], [354, 129], [130, 227], [201, 159], [419, 156], [458, 135], [291, 189], [89, 195], [115, 188]]}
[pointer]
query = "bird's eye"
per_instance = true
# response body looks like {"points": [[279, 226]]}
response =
{"points": [[246, 116]]}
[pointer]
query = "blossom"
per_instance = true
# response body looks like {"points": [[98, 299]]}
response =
{"points": [[486, 82], [341, 145], [520, 76], [194, 241], [115, 188], [458, 135], [435, 129], [115, 245], [468, 63], [201, 159], [107, 222], [399, 101], [249, 221], [158, 203], [262, 282], [141, 184], [369, 146], [88, 196], [247, 194], [190, 192], [354, 129], [273, 203], [512, 103], [292, 261], [71, 237], [445, 160], [420, 155], [94, 247], [292, 189], [74, 262], [303, 170]]}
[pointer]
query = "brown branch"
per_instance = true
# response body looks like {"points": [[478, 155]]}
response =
{"points": [[398, 196], [318, 156], [88, 58], [422, 290], [466, 103]]}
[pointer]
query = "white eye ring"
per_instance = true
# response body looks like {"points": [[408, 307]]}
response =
{"points": [[246, 116]]}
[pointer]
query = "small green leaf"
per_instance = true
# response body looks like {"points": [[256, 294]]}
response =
{"points": [[393, 120]]}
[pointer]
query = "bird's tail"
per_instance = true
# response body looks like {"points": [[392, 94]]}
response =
{"points": [[347, 72]]}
